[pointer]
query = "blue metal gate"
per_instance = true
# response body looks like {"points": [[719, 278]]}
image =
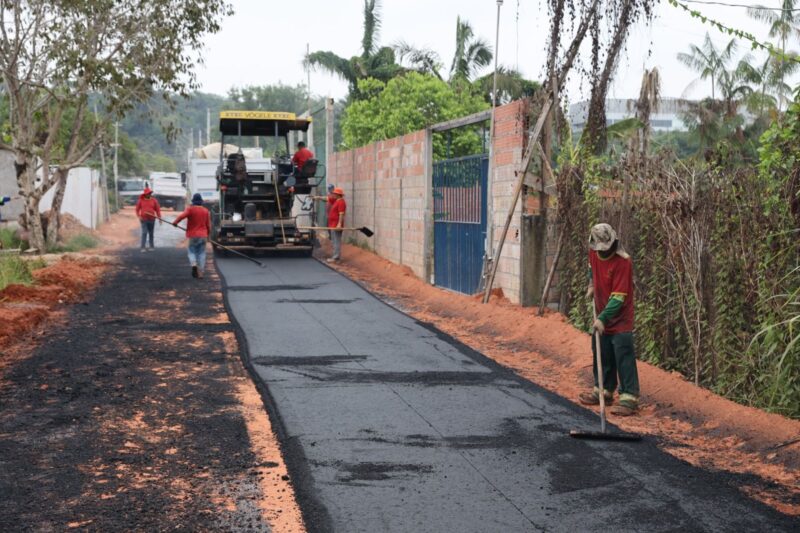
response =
{"points": [[459, 215]]}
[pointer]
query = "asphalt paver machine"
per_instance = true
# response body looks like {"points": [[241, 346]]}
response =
{"points": [[264, 203]]}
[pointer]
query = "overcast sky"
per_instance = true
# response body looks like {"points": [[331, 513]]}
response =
{"points": [[265, 40]]}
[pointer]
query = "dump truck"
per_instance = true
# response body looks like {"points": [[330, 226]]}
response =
{"points": [[168, 189], [264, 206]]}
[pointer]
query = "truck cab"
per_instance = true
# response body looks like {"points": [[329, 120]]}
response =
{"points": [[264, 205]]}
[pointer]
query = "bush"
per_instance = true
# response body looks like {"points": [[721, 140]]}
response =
{"points": [[10, 239], [77, 243], [15, 270]]}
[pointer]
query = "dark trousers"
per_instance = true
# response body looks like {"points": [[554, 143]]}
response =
{"points": [[148, 227], [619, 363]]}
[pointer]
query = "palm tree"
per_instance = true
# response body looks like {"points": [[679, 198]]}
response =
{"points": [[375, 61], [511, 85], [783, 25], [763, 76], [472, 53], [708, 61], [422, 60]]}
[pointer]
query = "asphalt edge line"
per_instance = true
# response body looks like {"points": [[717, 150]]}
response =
{"points": [[316, 517]]}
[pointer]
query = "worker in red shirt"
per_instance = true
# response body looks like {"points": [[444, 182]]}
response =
{"points": [[302, 155], [336, 215], [198, 228], [147, 209], [611, 286]]}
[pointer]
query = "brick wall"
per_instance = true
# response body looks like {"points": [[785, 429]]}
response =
{"points": [[387, 188], [385, 185], [509, 143]]}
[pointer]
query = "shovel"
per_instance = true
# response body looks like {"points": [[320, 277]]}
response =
{"points": [[602, 434], [215, 243], [363, 229]]}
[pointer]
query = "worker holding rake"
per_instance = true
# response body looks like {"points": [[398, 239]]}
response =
{"points": [[198, 227], [611, 286]]}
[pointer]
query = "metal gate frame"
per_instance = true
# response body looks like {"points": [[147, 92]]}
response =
{"points": [[459, 219]]}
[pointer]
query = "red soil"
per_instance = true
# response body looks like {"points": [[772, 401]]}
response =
{"points": [[22, 308], [688, 422]]}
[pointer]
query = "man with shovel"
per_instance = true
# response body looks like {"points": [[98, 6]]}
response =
{"points": [[198, 227], [611, 286], [336, 214]]}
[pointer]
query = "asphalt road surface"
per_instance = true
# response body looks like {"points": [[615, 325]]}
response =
{"points": [[390, 425]]}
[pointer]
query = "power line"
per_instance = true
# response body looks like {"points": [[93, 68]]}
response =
{"points": [[725, 4]]}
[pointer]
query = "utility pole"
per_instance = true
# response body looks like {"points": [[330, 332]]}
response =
{"points": [[104, 181], [328, 130], [116, 166], [488, 259], [310, 134], [208, 125]]}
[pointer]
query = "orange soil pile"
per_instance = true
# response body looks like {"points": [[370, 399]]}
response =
{"points": [[689, 422], [22, 308]]}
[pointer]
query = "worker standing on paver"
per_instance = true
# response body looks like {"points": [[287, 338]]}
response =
{"points": [[147, 209], [198, 228], [336, 215], [611, 286]]}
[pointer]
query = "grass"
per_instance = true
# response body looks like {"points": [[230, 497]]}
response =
{"points": [[77, 243], [16, 270], [10, 240]]}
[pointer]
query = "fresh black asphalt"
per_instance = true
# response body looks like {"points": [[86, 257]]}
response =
{"points": [[391, 425]]}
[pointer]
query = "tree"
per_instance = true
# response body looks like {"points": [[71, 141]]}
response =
{"points": [[708, 61], [409, 103], [511, 85], [783, 25], [472, 53], [378, 62], [422, 60], [55, 55]]}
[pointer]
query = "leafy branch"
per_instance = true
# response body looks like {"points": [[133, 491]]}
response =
{"points": [[778, 53]]}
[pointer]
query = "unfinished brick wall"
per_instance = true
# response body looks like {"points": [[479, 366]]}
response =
{"points": [[385, 184], [387, 187], [509, 144]]}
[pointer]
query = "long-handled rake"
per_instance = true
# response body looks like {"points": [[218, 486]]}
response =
{"points": [[363, 229], [602, 434]]}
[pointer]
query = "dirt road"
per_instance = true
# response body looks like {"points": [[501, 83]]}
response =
{"points": [[135, 413], [393, 426]]}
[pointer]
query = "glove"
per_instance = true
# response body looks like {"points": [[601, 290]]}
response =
{"points": [[590, 293], [599, 326]]}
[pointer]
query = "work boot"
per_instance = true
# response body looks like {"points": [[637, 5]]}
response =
{"points": [[593, 398], [628, 405], [194, 271]]}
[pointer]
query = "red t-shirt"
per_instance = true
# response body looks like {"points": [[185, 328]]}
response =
{"points": [[147, 209], [198, 221], [301, 156], [613, 276], [337, 209]]}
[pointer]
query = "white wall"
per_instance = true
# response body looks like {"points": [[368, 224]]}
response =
{"points": [[83, 198]]}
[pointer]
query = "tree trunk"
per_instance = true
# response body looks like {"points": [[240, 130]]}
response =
{"points": [[34, 224], [54, 217], [595, 131]]}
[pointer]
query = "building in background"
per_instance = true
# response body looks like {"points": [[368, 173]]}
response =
{"points": [[667, 118]]}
